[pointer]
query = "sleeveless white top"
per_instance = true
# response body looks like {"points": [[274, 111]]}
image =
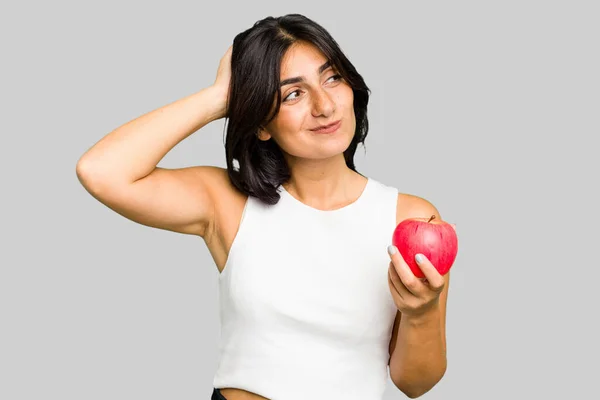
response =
{"points": [[305, 307]]}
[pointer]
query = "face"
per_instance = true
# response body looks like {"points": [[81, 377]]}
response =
{"points": [[313, 95]]}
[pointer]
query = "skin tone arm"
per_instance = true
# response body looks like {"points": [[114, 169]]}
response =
{"points": [[121, 169], [418, 347], [133, 150], [418, 361]]}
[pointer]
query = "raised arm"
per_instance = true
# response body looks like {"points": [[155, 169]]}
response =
{"points": [[120, 170]]}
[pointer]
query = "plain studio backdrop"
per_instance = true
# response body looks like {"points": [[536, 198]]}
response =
{"points": [[490, 110]]}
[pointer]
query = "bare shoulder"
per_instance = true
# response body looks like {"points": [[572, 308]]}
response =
{"points": [[413, 206], [228, 207], [227, 199], [223, 187], [216, 178], [222, 191]]}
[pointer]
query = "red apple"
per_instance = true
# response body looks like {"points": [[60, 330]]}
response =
{"points": [[436, 239]]}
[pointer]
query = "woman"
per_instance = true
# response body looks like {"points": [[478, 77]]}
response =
{"points": [[312, 307]]}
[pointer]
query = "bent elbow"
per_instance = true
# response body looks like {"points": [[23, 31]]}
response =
{"points": [[413, 391]]}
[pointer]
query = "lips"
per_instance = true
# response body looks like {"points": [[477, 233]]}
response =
{"points": [[328, 128]]}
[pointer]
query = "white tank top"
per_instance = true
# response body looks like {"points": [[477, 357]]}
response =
{"points": [[305, 307]]}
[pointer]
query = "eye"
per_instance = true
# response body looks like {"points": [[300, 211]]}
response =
{"points": [[290, 97], [296, 93]]}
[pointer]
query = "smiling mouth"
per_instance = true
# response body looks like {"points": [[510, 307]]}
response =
{"points": [[328, 128]]}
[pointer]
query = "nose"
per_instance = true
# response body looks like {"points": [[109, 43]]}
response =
{"points": [[323, 103]]}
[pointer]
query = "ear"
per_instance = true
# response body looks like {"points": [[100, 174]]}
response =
{"points": [[263, 135]]}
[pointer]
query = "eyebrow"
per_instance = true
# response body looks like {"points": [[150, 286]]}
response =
{"points": [[298, 79]]}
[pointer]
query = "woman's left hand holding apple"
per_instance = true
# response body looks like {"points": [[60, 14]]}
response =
{"points": [[413, 296]]}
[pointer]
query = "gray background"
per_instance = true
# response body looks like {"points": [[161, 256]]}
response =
{"points": [[490, 110]]}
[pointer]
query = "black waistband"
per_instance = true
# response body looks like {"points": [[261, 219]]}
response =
{"points": [[216, 395]]}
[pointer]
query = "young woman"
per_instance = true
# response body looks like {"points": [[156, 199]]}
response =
{"points": [[312, 305]]}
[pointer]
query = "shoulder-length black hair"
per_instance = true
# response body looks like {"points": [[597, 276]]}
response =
{"points": [[255, 76]]}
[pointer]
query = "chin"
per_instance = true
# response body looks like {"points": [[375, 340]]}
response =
{"points": [[335, 146]]}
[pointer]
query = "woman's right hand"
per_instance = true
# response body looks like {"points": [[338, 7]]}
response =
{"points": [[221, 84]]}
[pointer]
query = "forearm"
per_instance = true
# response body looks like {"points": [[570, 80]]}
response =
{"points": [[418, 361], [133, 150]]}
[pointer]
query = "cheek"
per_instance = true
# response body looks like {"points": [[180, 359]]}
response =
{"points": [[291, 120], [349, 97], [345, 98]]}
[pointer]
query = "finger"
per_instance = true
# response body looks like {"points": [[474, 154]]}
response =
{"points": [[397, 282], [398, 299], [434, 279], [408, 279], [394, 293]]}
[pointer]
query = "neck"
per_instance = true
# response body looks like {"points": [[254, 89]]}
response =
{"points": [[323, 183]]}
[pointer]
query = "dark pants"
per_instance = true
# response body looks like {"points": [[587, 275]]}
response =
{"points": [[216, 395]]}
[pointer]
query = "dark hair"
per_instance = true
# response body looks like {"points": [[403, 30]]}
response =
{"points": [[255, 76]]}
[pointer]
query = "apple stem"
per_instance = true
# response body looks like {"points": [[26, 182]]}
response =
{"points": [[432, 217]]}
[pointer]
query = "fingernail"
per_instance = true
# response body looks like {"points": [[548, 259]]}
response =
{"points": [[419, 258], [392, 249]]}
